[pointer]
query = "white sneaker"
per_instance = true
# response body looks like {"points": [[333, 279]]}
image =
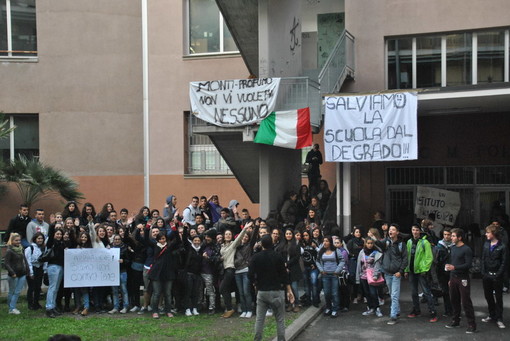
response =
{"points": [[134, 309], [113, 311], [501, 325], [269, 312], [195, 312], [243, 315], [381, 301], [14, 311], [123, 311], [188, 312], [368, 312], [378, 312], [249, 314], [149, 308]]}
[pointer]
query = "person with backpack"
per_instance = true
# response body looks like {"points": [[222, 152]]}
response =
{"points": [[394, 263], [36, 275], [368, 271], [419, 261], [330, 264]]}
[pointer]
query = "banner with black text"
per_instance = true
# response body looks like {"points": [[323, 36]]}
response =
{"points": [[379, 127], [445, 205], [91, 268], [235, 102]]}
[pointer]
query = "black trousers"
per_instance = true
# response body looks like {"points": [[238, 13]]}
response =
{"points": [[34, 286], [493, 288], [460, 293]]}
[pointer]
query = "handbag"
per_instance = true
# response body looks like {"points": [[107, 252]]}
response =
{"points": [[370, 278], [305, 168], [47, 255]]}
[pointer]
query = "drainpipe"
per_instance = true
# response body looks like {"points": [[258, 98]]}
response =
{"points": [[145, 76]]}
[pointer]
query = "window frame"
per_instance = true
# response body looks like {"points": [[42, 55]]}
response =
{"points": [[11, 55], [12, 124], [187, 37], [444, 55]]}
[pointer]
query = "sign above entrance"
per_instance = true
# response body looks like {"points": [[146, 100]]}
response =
{"points": [[444, 204], [235, 102], [378, 127]]}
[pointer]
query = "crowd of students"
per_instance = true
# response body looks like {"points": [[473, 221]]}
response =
{"points": [[191, 261]]}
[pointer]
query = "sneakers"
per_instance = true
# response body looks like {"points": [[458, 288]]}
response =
{"points": [[296, 309], [149, 308], [188, 312], [142, 310], [155, 316], [195, 312], [134, 309], [381, 301], [113, 311], [243, 315], [433, 319], [470, 330], [84, 312], [210, 312], [169, 315], [487, 319], [269, 312], [501, 325], [392, 321], [327, 312], [334, 314], [378, 312], [249, 314], [452, 325], [14, 311], [123, 311], [413, 314], [51, 314], [368, 312]]}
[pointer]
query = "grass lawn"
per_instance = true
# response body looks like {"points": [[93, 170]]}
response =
{"points": [[32, 325]]}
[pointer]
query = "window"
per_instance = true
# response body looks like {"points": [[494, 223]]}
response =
{"points": [[18, 33], [203, 157], [24, 140], [208, 33], [449, 59]]}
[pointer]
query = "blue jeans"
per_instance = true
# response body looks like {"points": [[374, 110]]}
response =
{"points": [[330, 286], [16, 284], [394, 289], [244, 288], [159, 288], [311, 277], [123, 288], [420, 280], [55, 274], [82, 294]]}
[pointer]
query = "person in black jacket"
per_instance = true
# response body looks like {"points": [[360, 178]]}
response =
{"points": [[193, 266], [163, 271], [18, 225], [17, 270], [494, 260]]}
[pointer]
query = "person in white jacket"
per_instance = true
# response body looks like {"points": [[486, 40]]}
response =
{"points": [[35, 278]]}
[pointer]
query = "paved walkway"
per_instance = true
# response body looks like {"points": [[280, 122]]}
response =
{"points": [[353, 326]]}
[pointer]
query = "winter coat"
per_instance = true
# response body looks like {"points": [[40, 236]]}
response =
{"points": [[423, 256], [394, 257], [494, 262], [365, 262], [15, 263]]}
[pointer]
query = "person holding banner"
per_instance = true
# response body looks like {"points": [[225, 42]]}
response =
{"points": [[84, 242], [124, 260]]}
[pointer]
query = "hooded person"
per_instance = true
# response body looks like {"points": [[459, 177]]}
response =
{"points": [[170, 211], [232, 206]]}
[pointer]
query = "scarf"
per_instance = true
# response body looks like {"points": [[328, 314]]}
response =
{"points": [[161, 246], [196, 248], [17, 249]]}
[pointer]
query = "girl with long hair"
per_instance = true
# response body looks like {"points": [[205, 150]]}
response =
{"points": [[330, 264], [17, 271], [36, 275]]}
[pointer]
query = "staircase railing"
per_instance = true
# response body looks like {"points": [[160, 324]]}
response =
{"points": [[339, 65]]}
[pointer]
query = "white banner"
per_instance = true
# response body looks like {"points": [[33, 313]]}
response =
{"points": [[91, 268], [235, 102], [381, 127], [444, 204]]}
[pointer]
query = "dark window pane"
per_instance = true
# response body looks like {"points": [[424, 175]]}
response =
{"points": [[428, 61], [3, 28], [24, 37], [204, 26], [400, 64], [459, 49], [26, 135], [491, 47]]}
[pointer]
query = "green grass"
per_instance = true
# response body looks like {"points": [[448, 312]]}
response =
{"points": [[32, 325]]}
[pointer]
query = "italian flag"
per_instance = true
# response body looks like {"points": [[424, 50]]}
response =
{"points": [[287, 129]]}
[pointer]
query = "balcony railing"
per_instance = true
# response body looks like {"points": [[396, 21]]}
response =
{"points": [[339, 65]]}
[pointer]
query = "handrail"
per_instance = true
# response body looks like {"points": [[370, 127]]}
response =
{"points": [[339, 51]]}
